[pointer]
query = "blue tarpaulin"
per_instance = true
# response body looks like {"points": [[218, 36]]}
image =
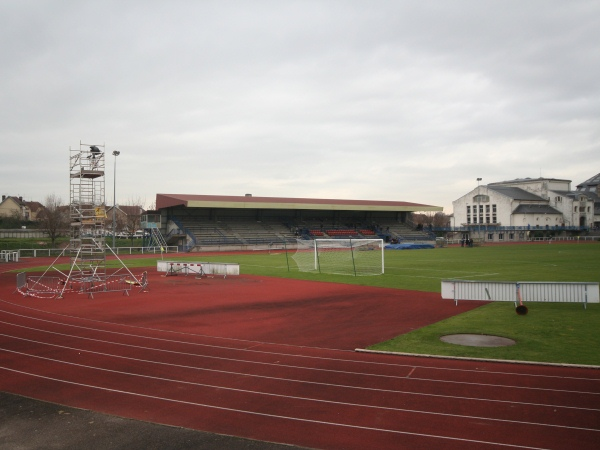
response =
{"points": [[408, 246]]}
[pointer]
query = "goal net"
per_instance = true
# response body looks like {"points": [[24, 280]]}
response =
{"points": [[340, 256]]}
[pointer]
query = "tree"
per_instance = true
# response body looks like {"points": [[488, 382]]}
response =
{"points": [[54, 218], [441, 220], [133, 216]]}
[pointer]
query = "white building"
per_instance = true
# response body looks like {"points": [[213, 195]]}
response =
{"points": [[513, 210]]}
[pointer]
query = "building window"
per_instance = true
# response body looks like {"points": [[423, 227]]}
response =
{"points": [[493, 208], [511, 236], [500, 236], [468, 210], [574, 208], [487, 209], [558, 199], [494, 219], [481, 199], [490, 236]]}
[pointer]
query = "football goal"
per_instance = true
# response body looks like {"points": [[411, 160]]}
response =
{"points": [[340, 256]]}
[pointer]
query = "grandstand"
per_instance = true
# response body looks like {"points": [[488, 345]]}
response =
{"points": [[208, 222]]}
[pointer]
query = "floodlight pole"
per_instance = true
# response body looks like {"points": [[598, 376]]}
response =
{"points": [[478, 210], [114, 224]]}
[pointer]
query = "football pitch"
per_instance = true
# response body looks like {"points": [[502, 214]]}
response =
{"points": [[551, 332]]}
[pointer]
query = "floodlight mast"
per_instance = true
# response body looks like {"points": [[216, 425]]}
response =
{"points": [[114, 224], [479, 215]]}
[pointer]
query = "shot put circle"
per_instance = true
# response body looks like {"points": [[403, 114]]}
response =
{"points": [[477, 340]]}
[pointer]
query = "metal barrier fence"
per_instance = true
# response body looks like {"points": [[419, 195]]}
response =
{"points": [[521, 291], [54, 287], [40, 286], [21, 281], [110, 283]]}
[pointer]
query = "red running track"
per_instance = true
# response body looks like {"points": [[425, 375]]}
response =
{"points": [[273, 360]]}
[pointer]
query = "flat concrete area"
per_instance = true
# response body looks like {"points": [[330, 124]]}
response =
{"points": [[477, 340], [27, 424]]}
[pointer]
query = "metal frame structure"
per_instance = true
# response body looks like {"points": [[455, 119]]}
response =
{"points": [[87, 210], [87, 245]]}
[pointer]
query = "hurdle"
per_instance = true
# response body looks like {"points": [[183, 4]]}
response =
{"points": [[9, 255], [520, 291], [185, 268]]}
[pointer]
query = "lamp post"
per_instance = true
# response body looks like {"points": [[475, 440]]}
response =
{"points": [[478, 210], [114, 227]]}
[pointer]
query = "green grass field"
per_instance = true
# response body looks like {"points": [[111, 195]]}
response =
{"points": [[550, 332]]}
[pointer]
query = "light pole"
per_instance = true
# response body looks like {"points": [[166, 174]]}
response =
{"points": [[114, 227], [478, 210]]}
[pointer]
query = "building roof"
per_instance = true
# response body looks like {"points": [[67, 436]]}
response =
{"points": [[34, 206], [528, 180], [249, 201], [592, 182], [536, 209], [590, 187], [516, 193]]}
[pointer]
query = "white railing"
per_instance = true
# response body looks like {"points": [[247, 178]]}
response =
{"points": [[41, 252], [521, 291]]}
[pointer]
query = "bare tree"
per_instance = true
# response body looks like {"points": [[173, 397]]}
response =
{"points": [[441, 219], [54, 218], [133, 216]]}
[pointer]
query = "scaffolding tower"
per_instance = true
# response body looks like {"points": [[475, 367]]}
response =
{"points": [[87, 211], [87, 248]]}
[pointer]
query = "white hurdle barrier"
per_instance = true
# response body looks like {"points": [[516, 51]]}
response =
{"points": [[9, 255], [205, 268], [529, 291]]}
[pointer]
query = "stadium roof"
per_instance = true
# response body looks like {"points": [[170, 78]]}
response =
{"points": [[249, 201]]}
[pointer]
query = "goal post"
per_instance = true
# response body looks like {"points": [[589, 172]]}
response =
{"points": [[356, 257]]}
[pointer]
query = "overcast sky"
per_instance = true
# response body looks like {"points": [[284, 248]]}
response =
{"points": [[377, 100]]}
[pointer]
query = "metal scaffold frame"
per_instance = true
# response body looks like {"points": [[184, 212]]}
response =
{"points": [[87, 211], [87, 247]]}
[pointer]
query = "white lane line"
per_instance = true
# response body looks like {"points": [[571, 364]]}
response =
{"points": [[273, 416], [251, 350], [316, 369], [307, 399], [301, 381]]}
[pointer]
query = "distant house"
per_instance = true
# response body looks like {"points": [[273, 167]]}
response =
{"points": [[17, 207]]}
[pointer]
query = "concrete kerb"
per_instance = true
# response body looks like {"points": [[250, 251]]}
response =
{"points": [[465, 358]]}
